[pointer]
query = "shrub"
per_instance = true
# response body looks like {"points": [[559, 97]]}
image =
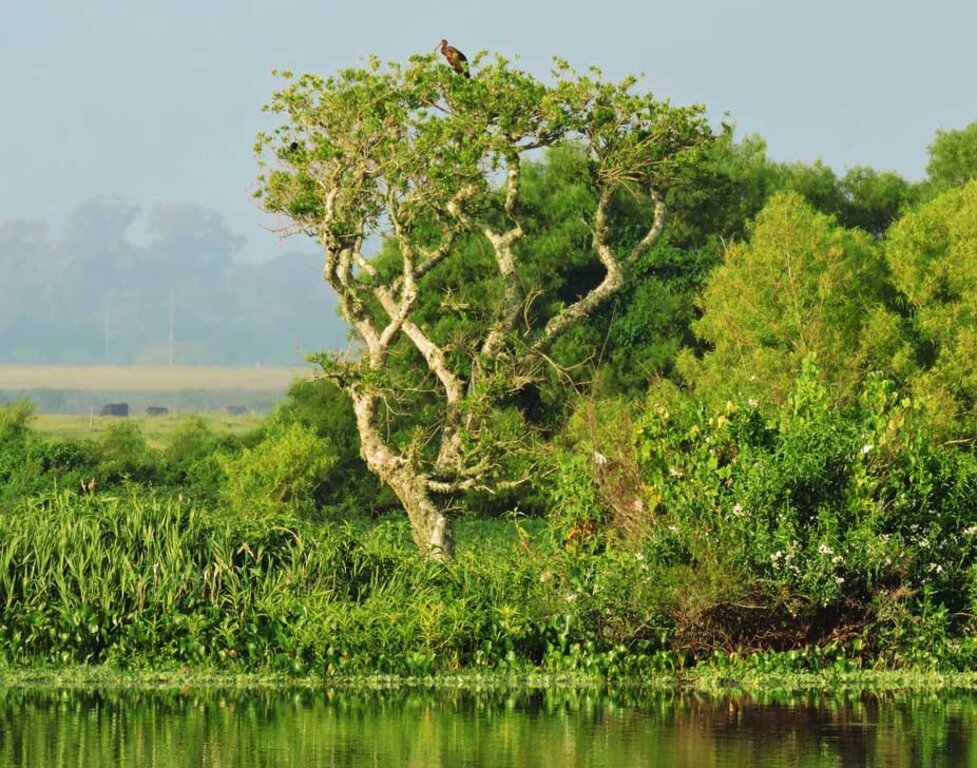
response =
{"points": [[281, 473], [809, 527], [124, 455], [319, 405], [15, 420], [191, 466]]}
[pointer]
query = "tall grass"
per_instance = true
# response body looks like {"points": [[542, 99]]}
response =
{"points": [[146, 582]]}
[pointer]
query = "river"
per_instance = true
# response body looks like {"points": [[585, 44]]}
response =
{"points": [[558, 728]]}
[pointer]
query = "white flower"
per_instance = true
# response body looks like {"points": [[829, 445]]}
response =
{"points": [[674, 472], [738, 509], [824, 549], [839, 579], [867, 447], [600, 459], [837, 560], [752, 402], [935, 568], [639, 556], [971, 530], [570, 596]]}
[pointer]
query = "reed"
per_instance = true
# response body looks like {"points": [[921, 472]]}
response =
{"points": [[139, 582]]}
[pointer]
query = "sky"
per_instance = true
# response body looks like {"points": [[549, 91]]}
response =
{"points": [[160, 102]]}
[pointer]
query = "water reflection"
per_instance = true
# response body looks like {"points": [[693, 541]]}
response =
{"points": [[251, 728]]}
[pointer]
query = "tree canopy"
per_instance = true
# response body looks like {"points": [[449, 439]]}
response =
{"points": [[434, 165], [801, 286], [953, 157]]}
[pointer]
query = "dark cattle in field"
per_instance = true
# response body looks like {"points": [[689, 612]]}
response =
{"points": [[115, 409], [234, 410], [157, 410]]}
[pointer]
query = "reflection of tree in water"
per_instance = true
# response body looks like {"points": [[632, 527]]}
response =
{"points": [[495, 727]]}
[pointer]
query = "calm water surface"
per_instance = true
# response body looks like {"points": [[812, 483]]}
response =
{"points": [[245, 728]]}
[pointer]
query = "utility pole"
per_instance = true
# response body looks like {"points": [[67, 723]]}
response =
{"points": [[172, 307]]}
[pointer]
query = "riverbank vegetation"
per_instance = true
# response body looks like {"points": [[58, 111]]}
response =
{"points": [[759, 445], [831, 538]]}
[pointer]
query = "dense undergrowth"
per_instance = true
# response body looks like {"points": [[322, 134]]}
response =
{"points": [[671, 536]]}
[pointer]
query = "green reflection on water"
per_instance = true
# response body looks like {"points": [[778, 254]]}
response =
{"points": [[250, 728]]}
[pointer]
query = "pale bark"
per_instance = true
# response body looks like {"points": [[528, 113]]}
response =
{"points": [[614, 277], [420, 490], [430, 526]]}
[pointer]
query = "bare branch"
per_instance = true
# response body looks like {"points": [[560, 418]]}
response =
{"points": [[654, 232], [614, 277], [502, 244]]}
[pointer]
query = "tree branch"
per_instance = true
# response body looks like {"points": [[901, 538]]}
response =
{"points": [[614, 277], [502, 244]]}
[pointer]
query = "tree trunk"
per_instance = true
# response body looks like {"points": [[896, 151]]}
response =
{"points": [[430, 527]]}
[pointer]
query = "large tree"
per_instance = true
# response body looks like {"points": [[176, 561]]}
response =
{"points": [[932, 252], [432, 164], [802, 285]]}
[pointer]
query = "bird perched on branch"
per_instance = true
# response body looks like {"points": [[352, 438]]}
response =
{"points": [[455, 58]]}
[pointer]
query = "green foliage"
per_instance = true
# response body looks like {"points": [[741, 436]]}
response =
{"points": [[932, 253], [15, 420], [487, 264], [124, 455], [39, 466], [576, 510], [281, 473], [133, 583], [829, 522], [190, 466], [801, 286], [189, 441], [813, 492], [321, 406], [953, 157], [736, 179], [872, 200]]}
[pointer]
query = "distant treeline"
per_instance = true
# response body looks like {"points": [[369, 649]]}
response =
{"points": [[88, 295]]}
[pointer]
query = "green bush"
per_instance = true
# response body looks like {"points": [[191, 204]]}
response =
{"points": [[15, 423], [827, 522], [191, 467], [124, 456], [15, 420], [319, 405], [281, 473]]}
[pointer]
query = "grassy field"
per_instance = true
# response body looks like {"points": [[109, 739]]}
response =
{"points": [[118, 378], [157, 429]]}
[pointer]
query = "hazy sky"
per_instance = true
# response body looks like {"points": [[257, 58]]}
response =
{"points": [[160, 101]]}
